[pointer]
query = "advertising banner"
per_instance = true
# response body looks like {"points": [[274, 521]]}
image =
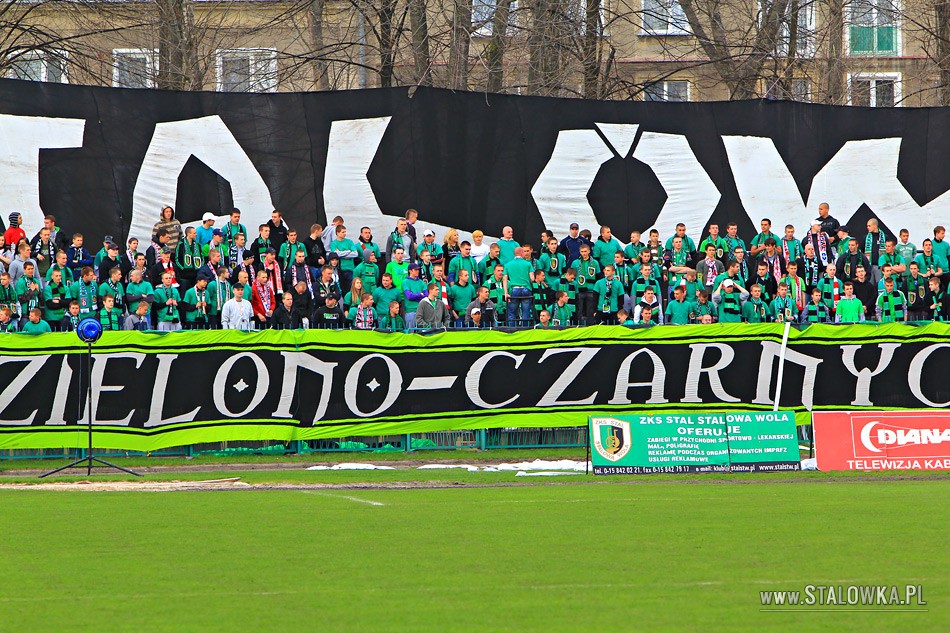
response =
{"points": [[694, 443], [882, 440]]}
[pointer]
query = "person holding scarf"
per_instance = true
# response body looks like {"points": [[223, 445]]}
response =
{"points": [[239, 258], [287, 254], [199, 306], [773, 259], [275, 277], [55, 298], [110, 316], [812, 268], [929, 263], [261, 244], [44, 251], [874, 244], [791, 247], [60, 265], [209, 270], [167, 299], [127, 261], [848, 262], [820, 242], [299, 272], [85, 291], [915, 289], [113, 286], [891, 304], [757, 245], [262, 299], [796, 286], [708, 269], [816, 311], [783, 306], [29, 289]]}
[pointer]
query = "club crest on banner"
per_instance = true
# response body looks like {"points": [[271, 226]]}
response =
{"points": [[611, 438]]}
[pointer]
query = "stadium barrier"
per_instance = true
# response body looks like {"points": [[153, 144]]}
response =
{"points": [[155, 391]]}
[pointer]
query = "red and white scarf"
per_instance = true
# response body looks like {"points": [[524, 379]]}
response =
{"points": [[306, 270], [274, 276], [266, 293], [364, 319]]}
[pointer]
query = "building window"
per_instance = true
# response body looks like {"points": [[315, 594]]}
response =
{"points": [[873, 29], [40, 66], [798, 26], [666, 91], [664, 17], [875, 91], [483, 16], [790, 90], [133, 68], [247, 70]]}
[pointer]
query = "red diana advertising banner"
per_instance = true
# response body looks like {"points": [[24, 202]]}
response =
{"points": [[884, 440]]}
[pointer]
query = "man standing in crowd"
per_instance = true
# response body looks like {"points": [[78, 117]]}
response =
{"points": [[829, 225], [400, 238], [571, 245]]}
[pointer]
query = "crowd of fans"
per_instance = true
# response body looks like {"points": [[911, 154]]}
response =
{"points": [[222, 277]]}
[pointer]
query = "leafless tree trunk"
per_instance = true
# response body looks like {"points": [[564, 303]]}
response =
{"points": [[547, 42], [942, 36], [495, 53], [419, 24], [388, 33], [591, 50], [834, 84], [737, 54], [461, 38], [177, 57], [321, 81]]}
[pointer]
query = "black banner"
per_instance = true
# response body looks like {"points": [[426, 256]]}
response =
{"points": [[104, 160], [332, 384]]}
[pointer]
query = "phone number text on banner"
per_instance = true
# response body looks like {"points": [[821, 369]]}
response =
{"points": [[689, 443]]}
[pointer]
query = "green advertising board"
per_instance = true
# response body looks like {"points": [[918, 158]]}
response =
{"points": [[694, 443]]}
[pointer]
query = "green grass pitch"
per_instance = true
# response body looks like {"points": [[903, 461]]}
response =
{"points": [[566, 554]]}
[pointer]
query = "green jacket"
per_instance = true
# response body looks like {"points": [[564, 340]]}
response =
{"points": [[166, 313]]}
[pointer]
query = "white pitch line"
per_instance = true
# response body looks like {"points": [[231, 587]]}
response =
{"points": [[425, 383], [332, 496]]}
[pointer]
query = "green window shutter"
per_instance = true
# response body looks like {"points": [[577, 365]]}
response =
{"points": [[861, 40], [887, 39]]}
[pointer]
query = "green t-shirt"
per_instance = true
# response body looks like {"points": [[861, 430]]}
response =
{"points": [[941, 248], [288, 253], [519, 272], [413, 285], [608, 300], [850, 310], [784, 309], [143, 288], [398, 272], [755, 311], [85, 294], [191, 298], [908, 252], [459, 264], [51, 292], [166, 313], [344, 247], [553, 266], [460, 296], [604, 251], [67, 274], [587, 272], [434, 248], [36, 328], [506, 250], [387, 322], [679, 312], [632, 251], [382, 297]]}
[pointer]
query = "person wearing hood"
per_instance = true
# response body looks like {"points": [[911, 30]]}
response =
{"points": [[15, 233], [171, 225]]}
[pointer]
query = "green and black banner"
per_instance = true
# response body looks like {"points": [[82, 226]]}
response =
{"points": [[760, 441], [152, 391]]}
